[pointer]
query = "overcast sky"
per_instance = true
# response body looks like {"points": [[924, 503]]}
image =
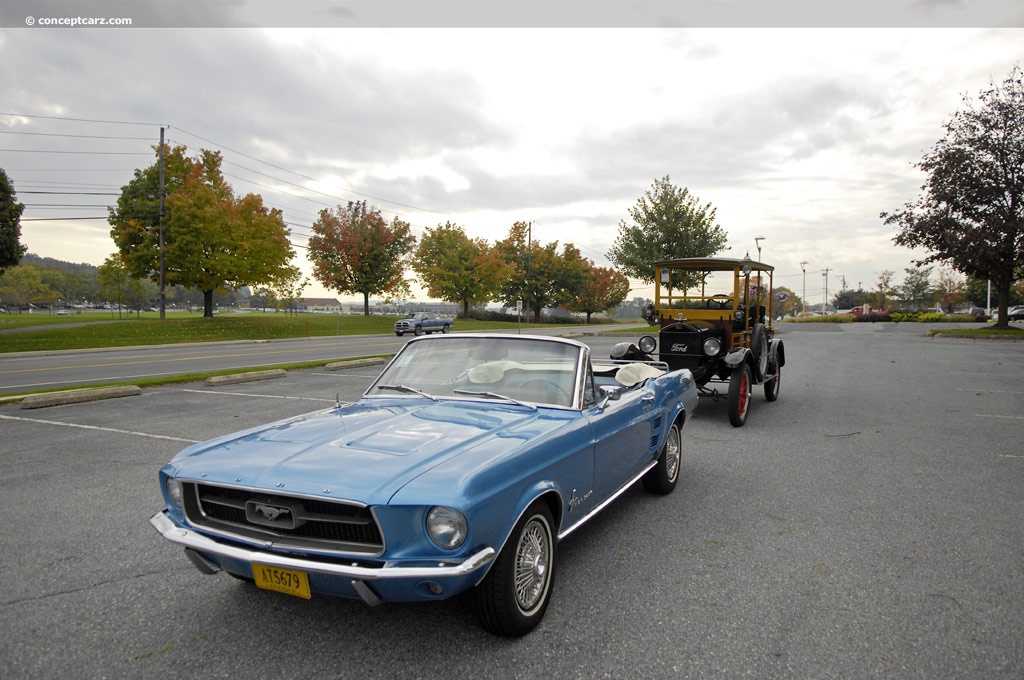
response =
{"points": [[800, 136]]}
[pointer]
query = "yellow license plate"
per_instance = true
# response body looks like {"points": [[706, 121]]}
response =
{"points": [[288, 581]]}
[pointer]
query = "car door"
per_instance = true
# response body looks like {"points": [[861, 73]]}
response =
{"points": [[622, 432]]}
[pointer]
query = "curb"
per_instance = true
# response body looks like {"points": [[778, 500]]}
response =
{"points": [[250, 376], [355, 363], [79, 396]]}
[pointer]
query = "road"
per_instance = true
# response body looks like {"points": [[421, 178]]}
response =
{"points": [[868, 524], [29, 371]]}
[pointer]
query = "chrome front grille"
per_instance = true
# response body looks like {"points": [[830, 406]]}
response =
{"points": [[286, 521]]}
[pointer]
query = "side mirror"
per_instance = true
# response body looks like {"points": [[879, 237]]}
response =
{"points": [[609, 393]]}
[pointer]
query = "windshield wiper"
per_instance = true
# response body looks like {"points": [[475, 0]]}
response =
{"points": [[495, 395], [406, 388]]}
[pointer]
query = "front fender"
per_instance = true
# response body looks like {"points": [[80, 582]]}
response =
{"points": [[736, 357], [544, 491]]}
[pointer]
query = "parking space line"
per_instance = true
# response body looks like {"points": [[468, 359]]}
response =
{"points": [[101, 429], [982, 390], [258, 396], [992, 415]]}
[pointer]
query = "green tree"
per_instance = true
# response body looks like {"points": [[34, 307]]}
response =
{"points": [[667, 223], [605, 289], [848, 299], [22, 285], [11, 248], [971, 212], [541, 275], [117, 281], [287, 289], [455, 268], [917, 291], [355, 251], [212, 239]]}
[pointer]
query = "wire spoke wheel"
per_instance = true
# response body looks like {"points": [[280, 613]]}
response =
{"points": [[662, 478], [533, 558], [512, 598]]}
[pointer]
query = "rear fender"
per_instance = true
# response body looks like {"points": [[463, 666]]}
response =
{"points": [[777, 351]]}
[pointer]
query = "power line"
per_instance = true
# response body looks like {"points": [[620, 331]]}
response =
{"points": [[79, 120], [84, 153], [311, 179], [72, 193], [56, 134]]}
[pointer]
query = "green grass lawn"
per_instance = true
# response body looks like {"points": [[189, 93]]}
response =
{"points": [[52, 332]]}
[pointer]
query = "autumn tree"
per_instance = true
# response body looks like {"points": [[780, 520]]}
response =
{"points": [[11, 248], [542, 276], [667, 223], [604, 289], [950, 289], [971, 211], [785, 302], [355, 251], [212, 239], [456, 268], [883, 296]]}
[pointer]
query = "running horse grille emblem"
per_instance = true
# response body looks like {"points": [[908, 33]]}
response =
{"points": [[276, 514]]}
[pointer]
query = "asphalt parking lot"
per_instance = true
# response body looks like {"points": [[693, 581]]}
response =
{"points": [[868, 524]]}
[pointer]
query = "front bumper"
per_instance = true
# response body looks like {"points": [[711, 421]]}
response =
{"points": [[359, 576]]}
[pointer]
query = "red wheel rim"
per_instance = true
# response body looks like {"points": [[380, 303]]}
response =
{"points": [[744, 395]]}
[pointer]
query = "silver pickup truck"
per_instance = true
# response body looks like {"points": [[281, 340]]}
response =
{"points": [[423, 322]]}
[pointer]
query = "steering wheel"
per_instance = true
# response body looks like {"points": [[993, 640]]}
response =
{"points": [[720, 301], [547, 386]]}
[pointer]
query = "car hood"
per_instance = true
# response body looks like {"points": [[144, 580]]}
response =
{"points": [[364, 452]]}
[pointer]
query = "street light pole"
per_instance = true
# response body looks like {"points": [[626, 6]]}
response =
{"points": [[824, 306], [803, 298], [757, 242]]}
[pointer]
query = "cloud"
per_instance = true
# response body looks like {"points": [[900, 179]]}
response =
{"points": [[800, 136]]}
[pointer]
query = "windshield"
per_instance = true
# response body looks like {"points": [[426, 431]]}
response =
{"points": [[512, 368]]}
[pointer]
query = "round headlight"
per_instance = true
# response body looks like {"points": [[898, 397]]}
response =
{"points": [[173, 491], [712, 346], [446, 527], [739, 315], [647, 344]]}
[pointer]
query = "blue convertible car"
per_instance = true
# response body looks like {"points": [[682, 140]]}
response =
{"points": [[460, 468]]}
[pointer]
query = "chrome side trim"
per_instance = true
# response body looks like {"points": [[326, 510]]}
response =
{"points": [[192, 539], [608, 500]]}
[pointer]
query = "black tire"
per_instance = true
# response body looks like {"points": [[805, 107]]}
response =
{"points": [[663, 477], [418, 331], [739, 395], [512, 598], [771, 388], [759, 350], [446, 329], [399, 333]]}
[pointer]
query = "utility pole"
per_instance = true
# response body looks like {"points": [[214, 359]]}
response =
{"points": [[160, 221]]}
